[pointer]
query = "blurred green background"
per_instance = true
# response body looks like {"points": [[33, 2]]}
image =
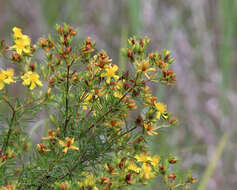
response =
{"points": [[202, 36]]}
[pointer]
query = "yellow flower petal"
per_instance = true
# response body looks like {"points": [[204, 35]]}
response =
{"points": [[17, 32], [1, 85]]}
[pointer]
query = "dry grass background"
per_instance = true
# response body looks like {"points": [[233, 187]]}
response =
{"points": [[202, 36]]}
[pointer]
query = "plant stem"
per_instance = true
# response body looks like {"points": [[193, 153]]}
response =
{"points": [[6, 142], [67, 101]]}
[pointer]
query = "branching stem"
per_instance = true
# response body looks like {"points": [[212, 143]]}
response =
{"points": [[6, 142]]}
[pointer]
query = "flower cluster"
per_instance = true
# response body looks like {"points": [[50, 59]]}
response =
{"points": [[6, 77], [99, 119], [31, 79], [22, 42]]}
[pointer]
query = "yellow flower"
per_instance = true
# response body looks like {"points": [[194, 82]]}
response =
{"points": [[89, 182], [6, 77], [22, 45], [52, 134], [22, 42], [150, 129], [161, 109], [143, 158], [87, 101], [147, 159], [2, 78], [118, 88], [147, 91], [110, 73], [132, 166], [155, 160], [9, 76], [32, 79], [17, 32], [147, 171], [143, 67], [68, 144]]}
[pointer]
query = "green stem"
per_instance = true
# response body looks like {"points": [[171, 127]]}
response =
{"points": [[67, 101], [6, 142]]}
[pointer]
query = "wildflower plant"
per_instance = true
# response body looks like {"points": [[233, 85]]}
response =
{"points": [[98, 119]]}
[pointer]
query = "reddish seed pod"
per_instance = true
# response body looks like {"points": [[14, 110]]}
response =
{"points": [[174, 161], [121, 164], [173, 121], [51, 81], [2, 43], [3, 156], [193, 179], [172, 176], [143, 83], [6, 49], [125, 75], [65, 41], [151, 56], [170, 72], [126, 86], [63, 186], [141, 43], [105, 180], [112, 83], [33, 48], [139, 120], [69, 49], [60, 30], [128, 178], [130, 54], [161, 167], [32, 67], [75, 78], [88, 41], [139, 139], [135, 93], [164, 72], [73, 33], [102, 54], [96, 91], [70, 29], [16, 57]]}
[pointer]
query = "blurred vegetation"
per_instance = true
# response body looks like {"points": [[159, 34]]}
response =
{"points": [[202, 36]]}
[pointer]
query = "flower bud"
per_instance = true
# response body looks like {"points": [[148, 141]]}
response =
{"points": [[63, 186], [128, 178], [172, 176]]}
